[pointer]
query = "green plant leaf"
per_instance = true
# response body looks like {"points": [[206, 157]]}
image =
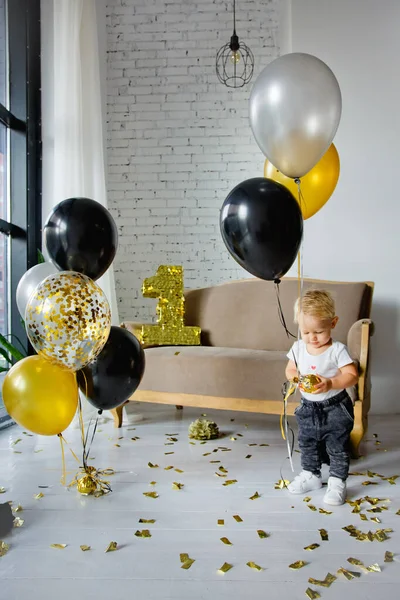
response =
{"points": [[3, 369], [40, 257], [10, 348], [5, 355]]}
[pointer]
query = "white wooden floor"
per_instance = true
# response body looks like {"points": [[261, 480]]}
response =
{"points": [[186, 520]]}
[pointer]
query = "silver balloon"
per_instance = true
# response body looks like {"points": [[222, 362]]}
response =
{"points": [[29, 281], [295, 109]]}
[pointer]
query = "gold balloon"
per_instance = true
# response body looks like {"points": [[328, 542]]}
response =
{"points": [[308, 382], [40, 396], [68, 319], [86, 485], [167, 285], [317, 185]]}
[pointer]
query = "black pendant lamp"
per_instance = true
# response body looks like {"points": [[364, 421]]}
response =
{"points": [[235, 60]]}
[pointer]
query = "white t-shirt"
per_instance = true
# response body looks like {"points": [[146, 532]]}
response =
{"points": [[327, 364]]}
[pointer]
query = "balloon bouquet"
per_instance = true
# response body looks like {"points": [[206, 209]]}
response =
{"points": [[68, 322], [295, 109]]}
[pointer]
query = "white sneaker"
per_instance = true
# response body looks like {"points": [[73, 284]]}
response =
{"points": [[336, 492], [305, 482]]}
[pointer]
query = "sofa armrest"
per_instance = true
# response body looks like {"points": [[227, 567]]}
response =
{"points": [[358, 345]]}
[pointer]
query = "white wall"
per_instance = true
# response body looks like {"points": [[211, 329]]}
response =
{"points": [[179, 140], [356, 235]]}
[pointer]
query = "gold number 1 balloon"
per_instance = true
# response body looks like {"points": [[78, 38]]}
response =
{"points": [[167, 285]]}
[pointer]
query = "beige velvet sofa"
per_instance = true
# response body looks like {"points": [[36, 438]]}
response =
{"points": [[241, 362]]}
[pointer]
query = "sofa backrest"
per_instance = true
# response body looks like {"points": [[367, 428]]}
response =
{"points": [[244, 314]]}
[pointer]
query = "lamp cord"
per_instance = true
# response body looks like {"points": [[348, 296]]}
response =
{"points": [[234, 17]]}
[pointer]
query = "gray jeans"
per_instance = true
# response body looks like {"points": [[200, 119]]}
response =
{"points": [[326, 424]]}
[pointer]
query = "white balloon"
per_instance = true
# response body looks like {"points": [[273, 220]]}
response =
{"points": [[295, 109], [29, 281]]}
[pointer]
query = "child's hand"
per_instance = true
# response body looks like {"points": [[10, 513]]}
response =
{"points": [[324, 386]]}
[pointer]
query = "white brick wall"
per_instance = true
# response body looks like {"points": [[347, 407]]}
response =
{"points": [[178, 140]]}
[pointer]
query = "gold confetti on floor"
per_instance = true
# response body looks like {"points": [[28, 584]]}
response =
{"points": [[229, 482], [225, 568], [327, 582], [167, 453], [4, 548], [375, 568], [255, 496], [112, 546], [307, 499], [153, 483], [220, 522], [262, 534], [18, 522], [2, 490], [312, 507], [324, 535], [186, 560], [168, 468], [248, 456], [348, 574], [179, 471], [144, 533], [38, 496], [177, 486], [151, 466], [254, 566], [150, 494], [85, 548], [238, 519], [225, 540], [311, 547], [299, 564], [147, 521], [389, 556], [322, 511], [17, 508], [58, 546], [282, 483], [312, 594]]}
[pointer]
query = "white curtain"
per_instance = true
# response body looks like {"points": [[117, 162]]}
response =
{"points": [[73, 142]]}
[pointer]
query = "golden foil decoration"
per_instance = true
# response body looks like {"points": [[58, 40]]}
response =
{"points": [[151, 466], [89, 481], [255, 496], [179, 470], [186, 561], [248, 456], [322, 511], [4, 548], [177, 486], [202, 429], [58, 546], [150, 494], [85, 548], [144, 533], [262, 534], [312, 507], [170, 330], [348, 574], [282, 483], [229, 482], [299, 564], [17, 508], [238, 519], [225, 540], [2, 490], [253, 565], [324, 535], [312, 594], [147, 521], [389, 556], [112, 546], [307, 499], [225, 568], [68, 319], [86, 485], [375, 568], [39, 496], [18, 522], [311, 547], [220, 522], [308, 382], [168, 468], [327, 582]]}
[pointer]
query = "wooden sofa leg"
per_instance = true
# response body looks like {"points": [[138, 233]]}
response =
{"points": [[118, 415], [178, 407], [358, 431]]}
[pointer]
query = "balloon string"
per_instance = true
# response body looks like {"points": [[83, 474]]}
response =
{"points": [[64, 470]]}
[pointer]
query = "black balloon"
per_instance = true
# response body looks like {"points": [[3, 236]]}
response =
{"points": [[112, 378], [262, 227], [6, 519], [81, 235]]}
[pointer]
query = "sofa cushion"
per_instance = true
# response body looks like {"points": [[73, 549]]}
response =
{"points": [[214, 371], [244, 314]]}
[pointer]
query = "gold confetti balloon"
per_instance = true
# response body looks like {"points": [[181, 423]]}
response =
{"points": [[68, 319], [308, 382], [86, 485]]}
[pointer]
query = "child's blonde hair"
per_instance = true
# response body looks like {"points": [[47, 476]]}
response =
{"points": [[316, 303]]}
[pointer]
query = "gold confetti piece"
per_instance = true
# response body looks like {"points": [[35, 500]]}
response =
{"points": [[171, 434], [229, 482], [144, 533], [225, 540], [375, 520], [363, 517], [183, 557], [312, 507], [192, 443], [282, 483], [169, 468], [307, 499], [369, 483], [176, 353], [58, 546], [203, 414], [16, 442], [248, 456], [252, 444], [389, 556], [348, 574], [391, 480], [222, 469], [207, 454], [151, 466], [358, 473], [167, 453], [17, 508], [38, 496], [262, 534], [187, 564], [2, 490], [85, 548], [253, 565], [147, 520], [4, 548], [168, 444], [225, 568], [177, 486], [226, 450], [322, 511], [312, 594], [233, 439], [201, 443], [17, 452], [238, 519], [263, 445], [117, 445], [18, 522], [41, 450], [29, 434], [255, 496], [299, 564], [355, 561], [398, 512], [112, 546], [375, 568], [324, 535], [150, 494], [219, 474], [179, 471], [153, 483], [220, 522], [311, 547], [327, 582], [172, 439], [214, 462]]}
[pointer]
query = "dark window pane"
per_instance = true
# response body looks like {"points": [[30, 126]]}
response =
{"points": [[3, 54]]}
